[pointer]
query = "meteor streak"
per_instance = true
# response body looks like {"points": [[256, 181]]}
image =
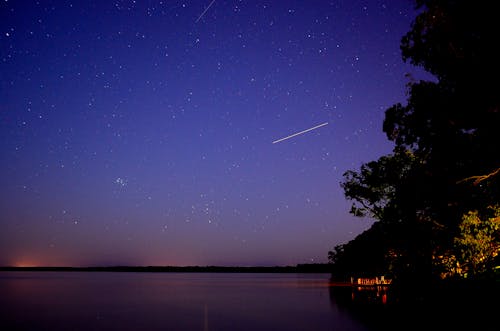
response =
{"points": [[210, 5], [301, 132]]}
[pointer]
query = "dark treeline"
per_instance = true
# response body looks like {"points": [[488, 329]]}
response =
{"points": [[436, 197], [300, 268]]}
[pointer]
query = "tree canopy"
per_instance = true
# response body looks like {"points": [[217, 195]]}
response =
{"points": [[436, 196]]}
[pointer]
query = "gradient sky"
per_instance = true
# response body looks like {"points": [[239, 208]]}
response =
{"points": [[140, 132]]}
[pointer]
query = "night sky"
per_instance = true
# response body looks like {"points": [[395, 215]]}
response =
{"points": [[141, 132]]}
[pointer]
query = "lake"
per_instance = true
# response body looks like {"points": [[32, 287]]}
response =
{"points": [[170, 301]]}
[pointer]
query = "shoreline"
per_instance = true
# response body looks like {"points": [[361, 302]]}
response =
{"points": [[300, 268]]}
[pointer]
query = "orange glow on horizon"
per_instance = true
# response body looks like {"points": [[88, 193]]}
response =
{"points": [[23, 264]]}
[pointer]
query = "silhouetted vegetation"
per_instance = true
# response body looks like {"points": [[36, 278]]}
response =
{"points": [[435, 198]]}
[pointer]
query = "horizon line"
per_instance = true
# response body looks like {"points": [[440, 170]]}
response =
{"points": [[171, 267]]}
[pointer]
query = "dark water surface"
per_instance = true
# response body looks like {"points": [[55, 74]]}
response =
{"points": [[169, 301]]}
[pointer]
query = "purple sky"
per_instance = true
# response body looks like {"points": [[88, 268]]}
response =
{"points": [[140, 132]]}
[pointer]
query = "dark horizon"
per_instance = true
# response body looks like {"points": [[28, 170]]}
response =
{"points": [[299, 268]]}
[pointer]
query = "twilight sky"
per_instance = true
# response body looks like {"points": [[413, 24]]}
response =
{"points": [[140, 132]]}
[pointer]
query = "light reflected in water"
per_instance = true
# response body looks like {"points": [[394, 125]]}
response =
{"points": [[169, 301]]}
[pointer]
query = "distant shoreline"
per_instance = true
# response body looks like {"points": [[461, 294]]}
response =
{"points": [[300, 268]]}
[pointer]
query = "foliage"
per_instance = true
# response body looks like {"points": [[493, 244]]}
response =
{"points": [[444, 163], [479, 242], [363, 257], [373, 187]]}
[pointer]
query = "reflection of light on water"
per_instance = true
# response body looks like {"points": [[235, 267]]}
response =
{"points": [[370, 293], [205, 324]]}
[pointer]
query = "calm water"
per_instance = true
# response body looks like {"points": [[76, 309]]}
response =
{"points": [[169, 301]]}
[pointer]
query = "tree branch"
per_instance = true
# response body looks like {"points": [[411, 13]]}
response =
{"points": [[479, 179]]}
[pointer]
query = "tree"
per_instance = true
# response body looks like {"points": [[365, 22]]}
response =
{"points": [[479, 242], [445, 134], [364, 256]]}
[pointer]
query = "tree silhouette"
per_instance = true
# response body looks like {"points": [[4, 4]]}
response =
{"points": [[445, 163]]}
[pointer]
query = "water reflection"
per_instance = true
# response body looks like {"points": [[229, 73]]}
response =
{"points": [[442, 307], [169, 301], [366, 304]]}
